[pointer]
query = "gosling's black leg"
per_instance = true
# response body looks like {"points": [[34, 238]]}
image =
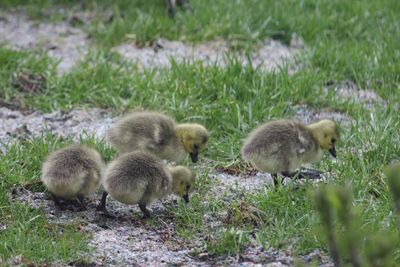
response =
{"points": [[171, 8], [290, 174], [102, 205], [275, 177], [81, 202], [57, 202], [146, 212]]}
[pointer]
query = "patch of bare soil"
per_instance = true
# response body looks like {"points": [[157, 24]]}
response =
{"points": [[308, 115], [269, 56], [15, 124], [350, 91], [61, 41], [69, 44]]}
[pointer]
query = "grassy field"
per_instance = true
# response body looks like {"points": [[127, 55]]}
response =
{"points": [[357, 41]]}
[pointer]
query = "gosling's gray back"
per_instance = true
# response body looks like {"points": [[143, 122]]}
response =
{"points": [[137, 177], [282, 141], [71, 170], [146, 131]]}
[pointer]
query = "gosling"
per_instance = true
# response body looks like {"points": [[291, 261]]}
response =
{"points": [[171, 6], [283, 146], [72, 173], [158, 134], [140, 178]]}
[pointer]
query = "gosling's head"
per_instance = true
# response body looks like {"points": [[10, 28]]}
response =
{"points": [[182, 181], [194, 138], [326, 133]]}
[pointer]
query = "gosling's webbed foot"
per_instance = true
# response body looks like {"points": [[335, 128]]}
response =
{"points": [[57, 202], [303, 174], [107, 213], [63, 204], [311, 173], [146, 212], [81, 203]]}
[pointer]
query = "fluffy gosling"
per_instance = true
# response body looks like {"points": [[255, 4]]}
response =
{"points": [[72, 173], [140, 178], [283, 146], [158, 134]]}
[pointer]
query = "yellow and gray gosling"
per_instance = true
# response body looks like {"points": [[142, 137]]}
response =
{"points": [[171, 6], [158, 134], [140, 178], [283, 146], [72, 173]]}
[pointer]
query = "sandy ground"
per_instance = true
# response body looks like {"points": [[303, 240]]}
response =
{"points": [[308, 115], [15, 124], [269, 56], [349, 91], [69, 44], [60, 41]]}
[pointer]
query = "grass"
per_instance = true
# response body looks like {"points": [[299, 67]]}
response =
{"points": [[346, 40]]}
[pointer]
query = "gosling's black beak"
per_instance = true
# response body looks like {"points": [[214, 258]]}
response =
{"points": [[194, 156], [333, 151], [186, 198]]}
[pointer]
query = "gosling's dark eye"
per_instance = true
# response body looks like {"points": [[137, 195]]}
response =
{"points": [[333, 140], [196, 147], [187, 187]]}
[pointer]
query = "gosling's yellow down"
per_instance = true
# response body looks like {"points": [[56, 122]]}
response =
{"points": [[140, 178], [72, 173], [283, 146], [158, 134]]}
